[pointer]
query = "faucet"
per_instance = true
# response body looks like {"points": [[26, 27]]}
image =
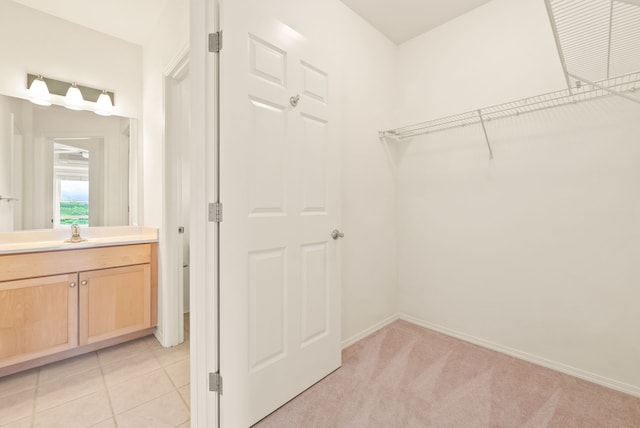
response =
{"points": [[75, 234]]}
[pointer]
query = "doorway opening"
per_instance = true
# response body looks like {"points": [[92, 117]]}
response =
{"points": [[175, 298]]}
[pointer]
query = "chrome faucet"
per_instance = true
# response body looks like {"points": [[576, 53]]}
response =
{"points": [[75, 234]]}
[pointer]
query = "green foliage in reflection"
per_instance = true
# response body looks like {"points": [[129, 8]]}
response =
{"points": [[74, 213]]}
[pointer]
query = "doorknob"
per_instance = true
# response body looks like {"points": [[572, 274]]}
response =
{"points": [[335, 234]]}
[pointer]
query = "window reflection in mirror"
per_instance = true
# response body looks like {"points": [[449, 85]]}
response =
{"points": [[71, 180], [61, 167]]}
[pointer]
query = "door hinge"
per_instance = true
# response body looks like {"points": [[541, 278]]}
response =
{"points": [[215, 42], [215, 382], [215, 212]]}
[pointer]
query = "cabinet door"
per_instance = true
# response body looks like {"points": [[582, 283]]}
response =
{"points": [[114, 302], [38, 317]]}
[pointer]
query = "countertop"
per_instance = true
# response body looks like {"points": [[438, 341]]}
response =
{"points": [[53, 239]]}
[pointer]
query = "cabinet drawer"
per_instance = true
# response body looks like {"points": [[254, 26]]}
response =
{"points": [[32, 265]]}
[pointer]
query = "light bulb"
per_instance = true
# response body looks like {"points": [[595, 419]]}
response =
{"points": [[104, 107], [73, 100], [39, 92]]}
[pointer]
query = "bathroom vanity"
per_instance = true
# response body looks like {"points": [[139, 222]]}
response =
{"points": [[59, 299]]}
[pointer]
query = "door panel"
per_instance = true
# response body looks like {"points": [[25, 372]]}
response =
{"points": [[315, 292], [267, 308], [314, 142], [268, 123], [279, 274]]}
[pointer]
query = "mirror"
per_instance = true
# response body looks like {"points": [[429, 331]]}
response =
{"points": [[61, 166]]}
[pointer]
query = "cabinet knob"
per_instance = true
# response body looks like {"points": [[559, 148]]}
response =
{"points": [[83, 282], [72, 284]]}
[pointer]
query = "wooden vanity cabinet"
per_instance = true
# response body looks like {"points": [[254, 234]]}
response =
{"points": [[58, 304]]}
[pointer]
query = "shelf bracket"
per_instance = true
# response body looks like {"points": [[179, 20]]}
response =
{"points": [[604, 88], [486, 137], [556, 36]]}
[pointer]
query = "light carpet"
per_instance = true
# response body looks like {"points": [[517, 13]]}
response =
{"points": [[407, 376]]}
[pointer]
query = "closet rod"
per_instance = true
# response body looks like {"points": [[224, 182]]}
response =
{"points": [[582, 91]]}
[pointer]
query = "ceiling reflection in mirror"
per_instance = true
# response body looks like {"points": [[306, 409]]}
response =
{"points": [[60, 167]]}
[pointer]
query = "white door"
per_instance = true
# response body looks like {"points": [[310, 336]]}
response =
{"points": [[280, 162]]}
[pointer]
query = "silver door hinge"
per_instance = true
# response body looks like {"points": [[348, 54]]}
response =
{"points": [[215, 42], [215, 212], [215, 382]]}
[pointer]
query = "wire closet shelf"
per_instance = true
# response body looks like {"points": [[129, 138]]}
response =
{"points": [[598, 44]]}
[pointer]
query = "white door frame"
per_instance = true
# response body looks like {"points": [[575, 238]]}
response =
{"points": [[203, 235], [171, 329]]}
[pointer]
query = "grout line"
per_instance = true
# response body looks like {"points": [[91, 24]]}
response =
{"points": [[146, 402], [35, 398], [175, 388], [183, 400], [106, 388], [82, 394]]}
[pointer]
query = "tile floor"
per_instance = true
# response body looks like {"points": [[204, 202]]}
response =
{"points": [[136, 384]]}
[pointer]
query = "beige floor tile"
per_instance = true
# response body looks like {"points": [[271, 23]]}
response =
{"points": [[54, 393], [123, 351], [82, 412], [109, 423], [16, 406], [129, 368], [185, 391], [179, 373], [22, 423], [152, 343], [61, 369], [169, 356], [167, 411], [18, 382], [133, 392]]}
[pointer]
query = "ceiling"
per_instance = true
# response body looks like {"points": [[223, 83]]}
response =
{"points": [[130, 20], [133, 21], [401, 20]]}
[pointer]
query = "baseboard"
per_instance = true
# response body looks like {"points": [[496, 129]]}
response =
{"points": [[353, 339], [550, 364]]}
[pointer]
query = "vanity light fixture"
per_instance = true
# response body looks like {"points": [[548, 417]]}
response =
{"points": [[73, 100], [75, 97], [104, 107], [39, 92]]}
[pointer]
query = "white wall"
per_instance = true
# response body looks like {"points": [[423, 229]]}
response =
{"points": [[168, 40], [37, 43], [536, 252], [368, 251], [499, 52]]}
